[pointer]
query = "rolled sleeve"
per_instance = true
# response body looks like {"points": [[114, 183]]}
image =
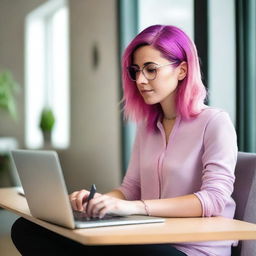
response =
{"points": [[219, 160]]}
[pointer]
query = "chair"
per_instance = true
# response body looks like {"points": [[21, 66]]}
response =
{"points": [[244, 196]]}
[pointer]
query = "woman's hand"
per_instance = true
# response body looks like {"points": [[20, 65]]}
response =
{"points": [[102, 205], [78, 199]]}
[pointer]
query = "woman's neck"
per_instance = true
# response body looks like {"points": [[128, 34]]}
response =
{"points": [[169, 108]]}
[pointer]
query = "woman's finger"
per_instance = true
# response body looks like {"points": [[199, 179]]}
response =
{"points": [[73, 204], [77, 198], [80, 198], [72, 199], [98, 208], [90, 210]]}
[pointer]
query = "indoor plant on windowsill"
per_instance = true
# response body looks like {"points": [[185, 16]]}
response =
{"points": [[47, 122], [8, 90]]}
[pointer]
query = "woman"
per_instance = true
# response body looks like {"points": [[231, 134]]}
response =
{"points": [[184, 155]]}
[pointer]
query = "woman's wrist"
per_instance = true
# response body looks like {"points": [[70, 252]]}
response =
{"points": [[145, 207], [141, 207]]}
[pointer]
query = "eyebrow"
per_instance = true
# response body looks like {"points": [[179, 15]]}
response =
{"points": [[145, 64]]}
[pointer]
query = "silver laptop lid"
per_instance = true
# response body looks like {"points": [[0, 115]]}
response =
{"points": [[45, 190], [44, 186]]}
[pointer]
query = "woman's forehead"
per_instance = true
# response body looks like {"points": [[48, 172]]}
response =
{"points": [[147, 54]]}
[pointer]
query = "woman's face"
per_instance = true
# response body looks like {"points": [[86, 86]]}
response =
{"points": [[167, 77]]}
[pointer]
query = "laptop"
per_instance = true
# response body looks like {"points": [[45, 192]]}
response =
{"points": [[45, 190]]}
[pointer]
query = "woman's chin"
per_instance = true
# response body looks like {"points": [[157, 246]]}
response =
{"points": [[150, 101]]}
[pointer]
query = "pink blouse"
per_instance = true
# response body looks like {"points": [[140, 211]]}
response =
{"points": [[199, 159]]}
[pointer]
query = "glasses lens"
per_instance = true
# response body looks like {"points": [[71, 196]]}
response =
{"points": [[149, 71], [132, 71]]}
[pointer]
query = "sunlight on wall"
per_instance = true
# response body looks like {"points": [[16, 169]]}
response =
{"points": [[47, 72]]}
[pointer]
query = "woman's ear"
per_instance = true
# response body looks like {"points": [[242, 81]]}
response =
{"points": [[183, 69]]}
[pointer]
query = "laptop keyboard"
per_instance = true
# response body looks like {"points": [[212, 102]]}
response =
{"points": [[81, 216]]}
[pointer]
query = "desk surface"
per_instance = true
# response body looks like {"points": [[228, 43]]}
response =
{"points": [[173, 230]]}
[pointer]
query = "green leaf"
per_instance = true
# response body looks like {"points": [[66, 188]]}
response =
{"points": [[47, 120], [8, 90]]}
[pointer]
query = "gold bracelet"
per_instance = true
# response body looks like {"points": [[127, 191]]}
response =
{"points": [[146, 207]]}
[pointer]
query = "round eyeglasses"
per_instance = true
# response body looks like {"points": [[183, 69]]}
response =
{"points": [[149, 71]]}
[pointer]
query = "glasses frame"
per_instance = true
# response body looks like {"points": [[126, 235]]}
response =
{"points": [[142, 70]]}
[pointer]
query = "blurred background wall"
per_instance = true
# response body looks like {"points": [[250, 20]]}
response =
{"points": [[94, 152]]}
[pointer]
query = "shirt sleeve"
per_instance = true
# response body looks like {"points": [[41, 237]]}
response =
{"points": [[219, 160], [130, 186]]}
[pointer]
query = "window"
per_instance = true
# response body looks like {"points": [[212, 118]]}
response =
{"points": [[169, 12], [47, 72]]}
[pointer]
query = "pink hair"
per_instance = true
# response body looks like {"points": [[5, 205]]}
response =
{"points": [[175, 46]]}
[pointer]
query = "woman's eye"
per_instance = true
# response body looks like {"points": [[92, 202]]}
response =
{"points": [[134, 69], [151, 69]]}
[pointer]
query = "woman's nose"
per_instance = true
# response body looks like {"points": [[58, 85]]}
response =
{"points": [[141, 78]]}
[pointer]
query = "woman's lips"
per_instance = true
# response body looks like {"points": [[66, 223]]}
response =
{"points": [[146, 91]]}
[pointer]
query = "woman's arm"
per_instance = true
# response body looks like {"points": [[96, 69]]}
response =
{"points": [[183, 206], [115, 203], [116, 193]]}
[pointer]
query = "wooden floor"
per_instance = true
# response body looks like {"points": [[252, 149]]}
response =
{"points": [[6, 246]]}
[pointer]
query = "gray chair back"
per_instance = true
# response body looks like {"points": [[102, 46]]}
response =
{"points": [[244, 196]]}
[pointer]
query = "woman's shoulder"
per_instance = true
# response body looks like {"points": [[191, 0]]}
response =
{"points": [[208, 113]]}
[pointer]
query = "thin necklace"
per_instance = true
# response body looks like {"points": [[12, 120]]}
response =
{"points": [[169, 119]]}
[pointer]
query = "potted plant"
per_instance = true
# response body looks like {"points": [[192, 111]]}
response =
{"points": [[8, 90], [47, 122]]}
